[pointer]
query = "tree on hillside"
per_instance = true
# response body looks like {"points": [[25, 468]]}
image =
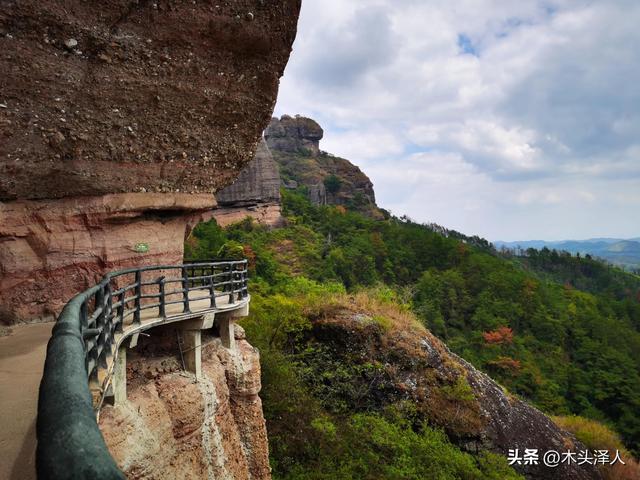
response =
{"points": [[332, 183]]}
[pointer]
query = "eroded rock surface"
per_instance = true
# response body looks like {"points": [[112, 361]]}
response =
{"points": [[255, 193], [116, 95], [173, 426], [259, 182], [265, 214], [294, 134], [51, 250]]}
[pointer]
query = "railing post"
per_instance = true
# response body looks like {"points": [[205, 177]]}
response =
{"points": [[245, 276], [99, 303], [109, 302], [120, 324], [185, 291], [103, 338], [231, 280], [163, 306], [83, 315], [212, 290], [138, 290]]}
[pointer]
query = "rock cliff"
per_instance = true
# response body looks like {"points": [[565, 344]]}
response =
{"points": [[176, 426], [118, 121], [255, 193], [474, 411], [259, 182], [294, 144]]}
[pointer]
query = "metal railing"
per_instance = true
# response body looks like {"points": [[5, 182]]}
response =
{"points": [[84, 342]]}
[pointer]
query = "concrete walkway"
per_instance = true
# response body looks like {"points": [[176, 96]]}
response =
{"points": [[22, 356], [21, 361]]}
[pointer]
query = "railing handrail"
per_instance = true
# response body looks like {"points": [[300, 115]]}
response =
{"points": [[84, 339]]}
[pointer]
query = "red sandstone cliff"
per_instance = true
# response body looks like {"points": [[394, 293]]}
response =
{"points": [[174, 426], [99, 100]]}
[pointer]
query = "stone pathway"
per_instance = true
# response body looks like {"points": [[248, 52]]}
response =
{"points": [[21, 361]]}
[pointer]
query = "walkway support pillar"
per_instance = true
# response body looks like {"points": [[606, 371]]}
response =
{"points": [[226, 322], [225, 326], [192, 351], [119, 379]]}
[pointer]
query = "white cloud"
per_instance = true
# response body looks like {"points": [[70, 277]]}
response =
{"points": [[372, 144], [535, 116]]}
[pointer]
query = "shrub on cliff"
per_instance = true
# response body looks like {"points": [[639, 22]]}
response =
{"points": [[332, 183], [231, 251], [597, 436], [372, 446]]}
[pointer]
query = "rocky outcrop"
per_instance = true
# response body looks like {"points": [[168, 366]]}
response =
{"points": [[174, 426], [294, 135], [164, 100], [448, 392], [264, 214], [329, 180]]}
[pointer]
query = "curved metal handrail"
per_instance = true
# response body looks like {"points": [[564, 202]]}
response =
{"points": [[84, 343]]}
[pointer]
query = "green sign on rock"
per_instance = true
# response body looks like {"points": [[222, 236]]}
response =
{"points": [[141, 247]]}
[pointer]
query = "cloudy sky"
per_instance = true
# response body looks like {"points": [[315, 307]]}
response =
{"points": [[508, 119]]}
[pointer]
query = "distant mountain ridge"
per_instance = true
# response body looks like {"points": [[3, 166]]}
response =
{"points": [[618, 251]]}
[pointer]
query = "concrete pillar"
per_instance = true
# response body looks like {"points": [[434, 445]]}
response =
{"points": [[225, 325], [192, 351], [119, 378], [226, 321]]}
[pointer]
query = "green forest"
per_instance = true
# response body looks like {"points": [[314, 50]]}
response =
{"points": [[559, 331]]}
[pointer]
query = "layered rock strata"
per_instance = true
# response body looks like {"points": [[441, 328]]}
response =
{"points": [[255, 193], [51, 250], [259, 182], [264, 214]]}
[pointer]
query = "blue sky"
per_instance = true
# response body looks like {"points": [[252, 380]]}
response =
{"points": [[511, 120]]}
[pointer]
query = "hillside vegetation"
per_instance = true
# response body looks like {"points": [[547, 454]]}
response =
{"points": [[566, 350]]}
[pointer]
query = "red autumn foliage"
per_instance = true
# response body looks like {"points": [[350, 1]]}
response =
{"points": [[500, 336]]}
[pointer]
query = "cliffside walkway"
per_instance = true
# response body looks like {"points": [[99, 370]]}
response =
{"points": [[86, 356]]}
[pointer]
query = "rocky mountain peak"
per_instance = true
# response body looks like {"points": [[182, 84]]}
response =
{"points": [[294, 142], [294, 134]]}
